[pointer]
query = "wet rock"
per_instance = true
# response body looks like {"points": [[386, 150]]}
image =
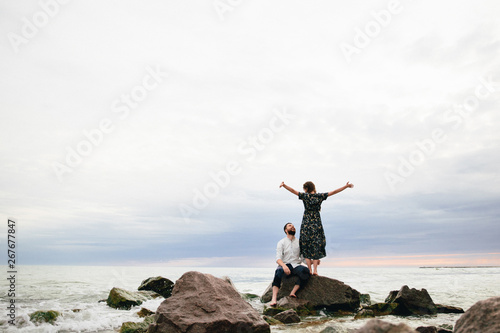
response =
{"points": [[273, 311], [336, 328], [427, 329], [160, 285], [141, 327], [203, 303], [288, 317], [383, 309], [145, 313], [271, 320], [123, 299], [412, 302], [321, 291], [448, 309], [365, 300], [301, 306], [39, 317], [248, 296], [484, 317], [364, 313], [379, 326]]}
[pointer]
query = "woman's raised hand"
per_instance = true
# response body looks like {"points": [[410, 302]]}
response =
{"points": [[282, 184], [349, 185]]}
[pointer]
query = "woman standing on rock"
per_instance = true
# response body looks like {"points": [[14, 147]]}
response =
{"points": [[312, 236]]}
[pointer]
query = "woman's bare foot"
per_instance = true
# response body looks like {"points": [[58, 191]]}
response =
{"points": [[273, 304], [293, 295], [315, 273]]}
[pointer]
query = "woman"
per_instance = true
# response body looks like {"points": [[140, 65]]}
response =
{"points": [[312, 236]]}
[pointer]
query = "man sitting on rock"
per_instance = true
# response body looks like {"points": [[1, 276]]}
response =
{"points": [[289, 260]]}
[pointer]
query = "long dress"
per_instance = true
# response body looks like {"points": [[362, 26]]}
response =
{"points": [[312, 239]]}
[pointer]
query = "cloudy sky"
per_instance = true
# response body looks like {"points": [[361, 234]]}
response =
{"points": [[158, 132]]}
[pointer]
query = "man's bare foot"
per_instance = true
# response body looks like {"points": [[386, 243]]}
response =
{"points": [[273, 304], [293, 295]]}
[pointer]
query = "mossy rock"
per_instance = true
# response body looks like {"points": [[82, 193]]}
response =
{"points": [[44, 316], [383, 309], [142, 327], [145, 313], [248, 296], [272, 321], [122, 299], [273, 311]]}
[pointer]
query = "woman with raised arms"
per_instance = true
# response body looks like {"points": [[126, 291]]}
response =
{"points": [[312, 236]]}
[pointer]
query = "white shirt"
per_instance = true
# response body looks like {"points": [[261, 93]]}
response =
{"points": [[289, 251]]}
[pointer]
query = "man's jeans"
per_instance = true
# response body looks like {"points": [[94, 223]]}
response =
{"points": [[302, 273]]}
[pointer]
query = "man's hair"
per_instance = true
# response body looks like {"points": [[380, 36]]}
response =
{"points": [[309, 187], [284, 228]]}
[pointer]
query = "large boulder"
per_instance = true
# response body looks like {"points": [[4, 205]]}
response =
{"points": [[484, 317], [412, 302], [321, 292], [379, 326], [160, 285], [123, 299], [202, 303]]}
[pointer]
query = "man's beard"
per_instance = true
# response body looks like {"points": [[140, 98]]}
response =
{"points": [[291, 232]]}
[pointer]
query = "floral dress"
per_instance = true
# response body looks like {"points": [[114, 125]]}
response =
{"points": [[312, 239]]}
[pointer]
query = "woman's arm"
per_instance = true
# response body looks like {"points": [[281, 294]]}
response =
{"points": [[289, 188], [340, 189]]}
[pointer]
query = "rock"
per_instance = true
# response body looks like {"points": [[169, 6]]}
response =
{"points": [[39, 317], [248, 296], [122, 299], [132, 327], [145, 313], [484, 317], [412, 302], [160, 285], [379, 326], [301, 306], [383, 309], [364, 313], [273, 311], [321, 291], [271, 320], [336, 328], [288, 317], [365, 299], [427, 329], [445, 328], [448, 309], [202, 303]]}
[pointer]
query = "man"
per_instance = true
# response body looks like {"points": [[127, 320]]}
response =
{"points": [[289, 260]]}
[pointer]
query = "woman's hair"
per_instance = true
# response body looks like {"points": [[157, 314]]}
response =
{"points": [[309, 187]]}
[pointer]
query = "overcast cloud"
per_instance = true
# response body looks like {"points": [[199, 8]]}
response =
{"points": [[159, 131]]}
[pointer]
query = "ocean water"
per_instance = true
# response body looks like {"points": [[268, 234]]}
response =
{"points": [[75, 291]]}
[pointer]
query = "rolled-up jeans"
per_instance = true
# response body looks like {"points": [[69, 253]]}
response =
{"points": [[302, 273]]}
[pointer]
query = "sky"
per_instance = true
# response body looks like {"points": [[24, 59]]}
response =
{"points": [[158, 132]]}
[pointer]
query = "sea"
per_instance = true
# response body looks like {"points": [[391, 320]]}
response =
{"points": [[77, 292]]}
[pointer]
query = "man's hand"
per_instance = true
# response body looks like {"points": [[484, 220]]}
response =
{"points": [[287, 270]]}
